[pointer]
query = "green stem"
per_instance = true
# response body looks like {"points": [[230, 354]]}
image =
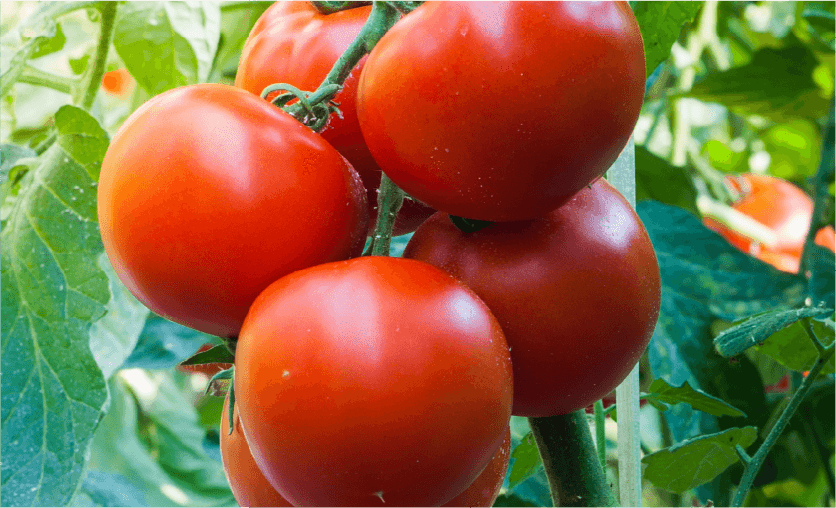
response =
{"points": [[37, 77], [46, 143], [808, 327], [381, 19], [600, 434], [756, 462], [108, 12], [332, 7], [821, 195], [389, 201], [571, 463]]}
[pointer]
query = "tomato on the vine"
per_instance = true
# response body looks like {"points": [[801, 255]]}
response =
{"points": [[117, 82], [251, 488], [208, 194], [501, 111], [783, 208], [576, 293], [374, 381], [294, 43]]}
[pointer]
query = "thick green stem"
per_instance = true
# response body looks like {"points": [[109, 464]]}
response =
{"points": [[381, 19], [108, 13], [571, 463], [389, 201], [826, 163], [332, 7], [37, 77], [756, 462]]}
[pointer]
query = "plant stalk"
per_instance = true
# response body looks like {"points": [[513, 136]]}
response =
{"points": [[389, 201], [571, 462], [600, 434], [37, 77], [108, 13]]}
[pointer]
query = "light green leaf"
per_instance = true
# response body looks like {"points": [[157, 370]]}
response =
{"points": [[167, 44], [698, 399], [660, 24], [526, 460], [693, 462], [52, 290], [759, 328]]}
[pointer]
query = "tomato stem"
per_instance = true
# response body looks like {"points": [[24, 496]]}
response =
{"points": [[757, 460], [389, 201], [600, 434], [571, 462], [97, 67], [332, 7], [37, 77]]}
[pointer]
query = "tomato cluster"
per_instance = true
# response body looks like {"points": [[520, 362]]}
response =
{"points": [[376, 380], [784, 209]]}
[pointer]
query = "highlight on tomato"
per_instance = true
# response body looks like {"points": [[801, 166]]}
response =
{"points": [[784, 209], [577, 293], [251, 488], [208, 194], [512, 109], [398, 373], [294, 43]]}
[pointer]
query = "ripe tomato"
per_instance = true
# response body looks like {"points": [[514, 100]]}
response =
{"points": [[502, 111], [372, 381], [781, 206], [576, 292], [251, 488], [293, 43], [208, 194], [248, 484], [118, 82], [207, 369]]}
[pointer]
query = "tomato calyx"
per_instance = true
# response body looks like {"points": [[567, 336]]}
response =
{"points": [[317, 106], [332, 7], [469, 225]]}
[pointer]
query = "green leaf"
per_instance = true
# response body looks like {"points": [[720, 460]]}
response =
{"points": [[757, 329], [170, 465], [694, 462], [792, 347], [79, 64], [662, 391], [793, 149], [534, 489], [823, 276], [167, 44], [526, 461], [235, 27], [660, 24], [657, 179], [164, 344], [52, 44], [777, 84], [82, 138], [22, 43], [108, 489], [53, 391], [10, 158], [218, 354]]}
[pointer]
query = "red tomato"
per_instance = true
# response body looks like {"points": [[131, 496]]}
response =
{"points": [[485, 489], [782, 207], [208, 194], [251, 488], [502, 111], [293, 43], [118, 82], [576, 292], [207, 369], [374, 381], [248, 484]]}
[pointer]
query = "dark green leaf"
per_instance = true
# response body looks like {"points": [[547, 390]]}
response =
{"points": [[53, 391], [167, 44], [657, 179], [759, 328], [526, 461], [512, 500], [217, 354], [694, 462], [792, 347], [698, 399], [163, 344], [660, 24], [823, 276], [108, 489], [777, 83]]}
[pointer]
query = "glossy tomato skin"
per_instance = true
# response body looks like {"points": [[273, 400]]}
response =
{"points": [[293, 43], [783, 208], [396, 371], [501, 111], [251, 488], [248, 484], [485, 489], [576, 292], [208, 194]]}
